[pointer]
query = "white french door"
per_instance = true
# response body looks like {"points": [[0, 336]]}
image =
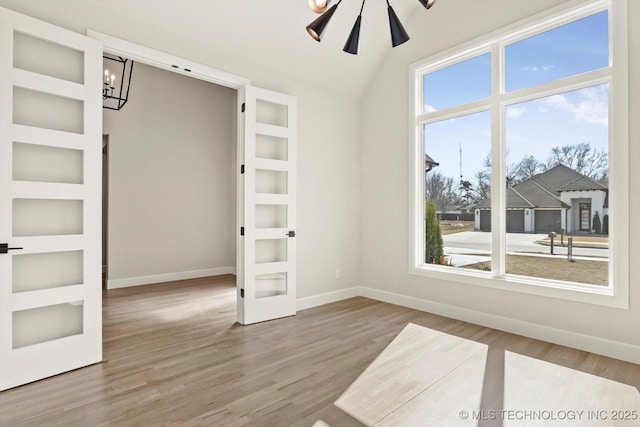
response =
{"points": [[267, 267], [50, 200]]}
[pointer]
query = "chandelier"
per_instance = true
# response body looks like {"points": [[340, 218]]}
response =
{"points": [[317, 27], [114, 93]]}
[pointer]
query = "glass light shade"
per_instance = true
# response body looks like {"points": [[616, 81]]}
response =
{"points": [[317, 27], [426, 3], [319, 6]]}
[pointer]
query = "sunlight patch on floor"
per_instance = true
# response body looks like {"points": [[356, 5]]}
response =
{"points": [[429, 378]]}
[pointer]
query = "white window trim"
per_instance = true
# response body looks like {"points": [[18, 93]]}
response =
{"points": [[617, 293]]}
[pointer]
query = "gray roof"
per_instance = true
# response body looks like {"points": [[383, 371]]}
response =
{"points": [[429, 163], [537, 195], [514, 200], [543, 190], [583, 184], [528, 196], [556, 178]]}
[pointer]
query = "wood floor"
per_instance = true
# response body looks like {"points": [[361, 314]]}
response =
{"points": [[173, 355]]}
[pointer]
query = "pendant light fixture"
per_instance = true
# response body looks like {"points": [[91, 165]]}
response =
{"points": [[352, 42], [426, 3], [319, 6], [398, 33], [316, 28], [115, 87]]}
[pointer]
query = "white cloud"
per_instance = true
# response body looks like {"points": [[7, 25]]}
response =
{"points": [[535, 68], [515, 112], [429, 108], [591, 105]]}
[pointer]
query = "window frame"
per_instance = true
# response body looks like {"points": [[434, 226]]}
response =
{"points": [[616, 294]]}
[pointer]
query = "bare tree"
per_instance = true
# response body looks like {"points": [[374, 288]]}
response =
{"points": [[582, 158], [524, 169], [482, 188], [440, 189]]}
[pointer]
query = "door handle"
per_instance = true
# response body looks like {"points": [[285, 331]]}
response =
{"points": [[4, 248]]}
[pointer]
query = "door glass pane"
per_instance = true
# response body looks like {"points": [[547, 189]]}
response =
{"points": [[271, 114], [32, 272], [40, 163], [270, 285], [458, 84], [271, 147], [585, 216], [44, 57], [571, 49], [46, 217], [271, 250], [271, 182], [558, 187], [38, 325], [43, 110], [271, 216], [458, 192]]}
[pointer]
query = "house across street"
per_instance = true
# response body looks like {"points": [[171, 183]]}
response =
{"points": [[555, 200]]}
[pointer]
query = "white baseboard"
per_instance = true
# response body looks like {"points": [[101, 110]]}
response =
{"points": [[326, 298], [605, 347], [168, 277]]}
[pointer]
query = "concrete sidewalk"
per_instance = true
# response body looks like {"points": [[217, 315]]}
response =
{"points": [[576, 244], [461, 257]]}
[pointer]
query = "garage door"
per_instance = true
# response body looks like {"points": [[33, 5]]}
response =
{"points": [[515, 221], [485, 220], [546, 221]]}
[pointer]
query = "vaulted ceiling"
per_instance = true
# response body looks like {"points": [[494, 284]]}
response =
{"points": [[269, 32]]}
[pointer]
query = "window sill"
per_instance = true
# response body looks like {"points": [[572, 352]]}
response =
{"points": [[588, 294]]}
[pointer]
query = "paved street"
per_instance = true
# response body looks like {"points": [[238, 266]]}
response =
{"points": [[471, 247]]}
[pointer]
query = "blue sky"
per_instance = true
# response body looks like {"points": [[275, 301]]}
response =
{"points": [[533, 127]]}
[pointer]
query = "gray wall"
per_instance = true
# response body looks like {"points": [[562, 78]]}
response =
{"points": [[171, 167]]}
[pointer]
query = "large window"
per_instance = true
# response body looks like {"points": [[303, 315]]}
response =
{"points": [[520, 158]]}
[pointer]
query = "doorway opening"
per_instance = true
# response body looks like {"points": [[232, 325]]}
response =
{"points": [[169, 181]]}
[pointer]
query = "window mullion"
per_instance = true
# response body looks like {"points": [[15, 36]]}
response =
{"points": [[453, 112], [567, 84], [498, 157]]}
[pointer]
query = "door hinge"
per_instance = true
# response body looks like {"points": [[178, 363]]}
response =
{"points": [[243, 107], [241, 169], [242, 231], [292, 234], [241, 293]]}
